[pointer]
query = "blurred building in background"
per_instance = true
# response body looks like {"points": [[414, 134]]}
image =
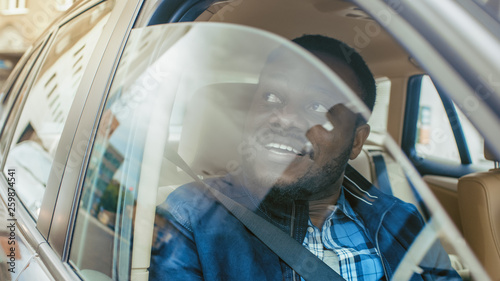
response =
{"points": [[21, 22]]}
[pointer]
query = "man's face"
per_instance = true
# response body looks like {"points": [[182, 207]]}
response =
{"points": [[297, 152]]}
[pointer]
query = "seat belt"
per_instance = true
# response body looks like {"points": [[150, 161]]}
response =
{"points": [[382, 176], [385, 185], [305, 263]]}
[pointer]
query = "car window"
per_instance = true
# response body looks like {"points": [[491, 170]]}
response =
{"points": [[443, 133], [199, 109], [8, 97], [46, 105], [434, 139]]}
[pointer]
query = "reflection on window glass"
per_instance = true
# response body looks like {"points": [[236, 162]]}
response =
{"points": [[48, 103], [106, 208], [204, 114], [435, 139], [19, 86]]}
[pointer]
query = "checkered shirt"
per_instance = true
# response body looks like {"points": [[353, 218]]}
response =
{"points": [[343, 244]]}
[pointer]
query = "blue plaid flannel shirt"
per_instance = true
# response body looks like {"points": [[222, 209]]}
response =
{"points": [[343, 244]]}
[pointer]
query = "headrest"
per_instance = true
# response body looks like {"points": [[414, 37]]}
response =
{"points": [[213, 127], [488, 155]]}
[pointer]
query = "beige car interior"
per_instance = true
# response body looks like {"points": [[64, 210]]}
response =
{"points": [[478, 195], [473, 208]]}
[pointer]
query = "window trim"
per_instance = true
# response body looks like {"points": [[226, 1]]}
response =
{"points": [[456, 127], [169, 11]]}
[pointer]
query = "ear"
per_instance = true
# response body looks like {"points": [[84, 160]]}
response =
{"points": [[360, 137]]}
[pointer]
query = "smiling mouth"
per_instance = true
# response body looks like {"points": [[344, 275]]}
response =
{"points": [[281, 148]]}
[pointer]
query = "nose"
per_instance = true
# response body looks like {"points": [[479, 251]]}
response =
{"points": [[288, 117]]}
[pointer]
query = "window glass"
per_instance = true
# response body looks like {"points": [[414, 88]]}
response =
{"points": [[434, 138], [198, 113], [104, 221], [48, 102], [8, 95]]}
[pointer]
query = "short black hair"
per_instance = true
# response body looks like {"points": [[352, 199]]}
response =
{"points": [[346, 54]]}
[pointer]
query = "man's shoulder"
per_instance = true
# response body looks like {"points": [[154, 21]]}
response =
{"points": [[370, 197], [195, 194], [190, 202], [377, 207]]}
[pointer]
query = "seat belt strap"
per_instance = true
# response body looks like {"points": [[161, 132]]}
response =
{"points": [[382, 176], [305, 263], [385, 185]]}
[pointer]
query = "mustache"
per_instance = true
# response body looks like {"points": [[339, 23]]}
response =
{"points": [[269, 134]]}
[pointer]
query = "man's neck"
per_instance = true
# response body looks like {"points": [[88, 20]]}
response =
{"points": [[321, 207]]}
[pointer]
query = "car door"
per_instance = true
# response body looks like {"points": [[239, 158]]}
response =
{"points": [[33, 131], [19, 252], [77, 140], [108, 206]]}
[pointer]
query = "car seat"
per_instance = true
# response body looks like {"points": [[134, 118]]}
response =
{"points": [[478, 196]]}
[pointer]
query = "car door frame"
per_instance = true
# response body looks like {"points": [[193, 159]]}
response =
{"points": [[460, 65], [60, 232], [79, 134], [41, 235]]}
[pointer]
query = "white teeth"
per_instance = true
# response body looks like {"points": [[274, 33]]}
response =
{"points": [[282, 146]]}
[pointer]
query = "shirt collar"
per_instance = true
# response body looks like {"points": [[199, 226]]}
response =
{"points": [[344, 207]]}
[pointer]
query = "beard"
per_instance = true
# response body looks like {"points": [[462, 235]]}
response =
{"points": [[315, 180]]}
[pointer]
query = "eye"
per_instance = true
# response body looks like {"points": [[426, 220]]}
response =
{"points": [[317, 107], [272, 98]]}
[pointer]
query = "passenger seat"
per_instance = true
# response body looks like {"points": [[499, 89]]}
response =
{"points": [[478, 198]]}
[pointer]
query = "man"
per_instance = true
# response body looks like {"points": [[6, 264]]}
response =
{"points": [[299, 135]]}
